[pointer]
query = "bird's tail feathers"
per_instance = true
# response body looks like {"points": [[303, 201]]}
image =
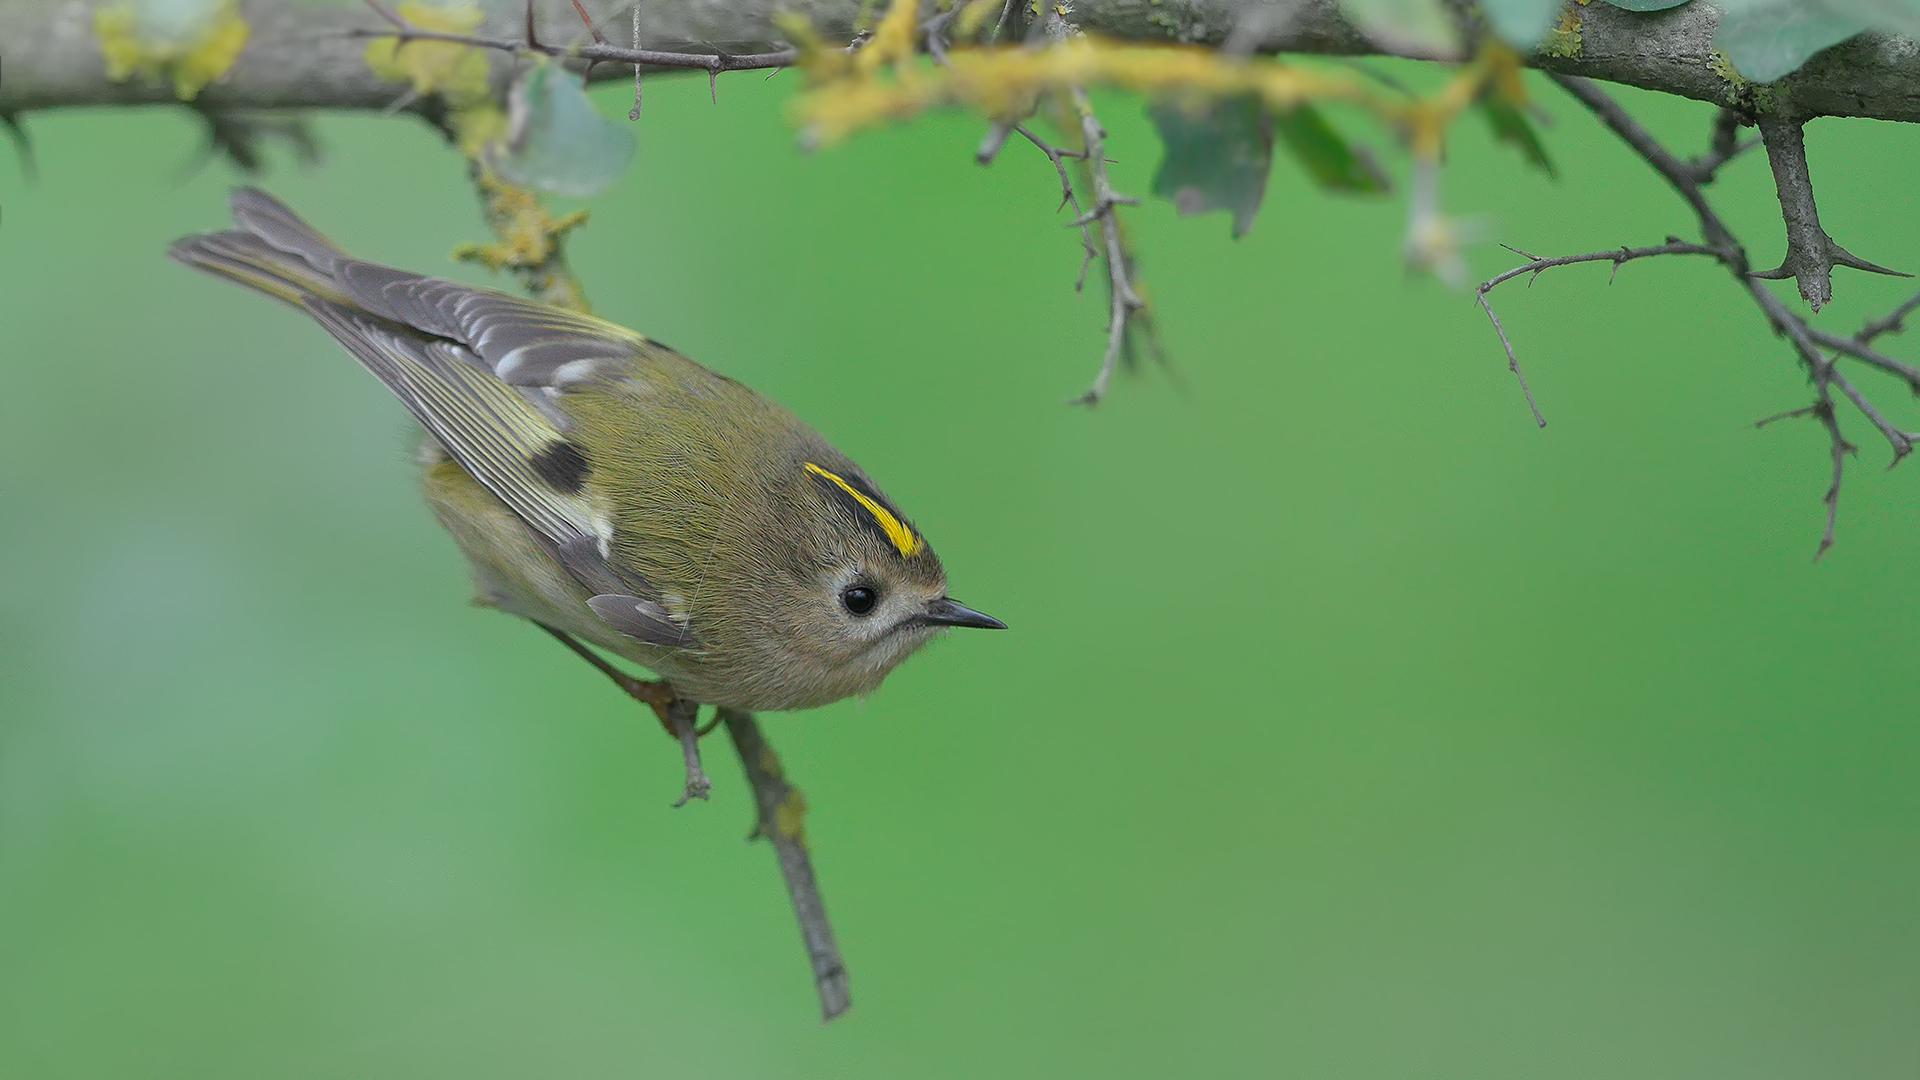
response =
{"points": [[273, 251]]}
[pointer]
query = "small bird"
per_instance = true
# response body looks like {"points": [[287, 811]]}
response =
{"points": [[611, 490]]}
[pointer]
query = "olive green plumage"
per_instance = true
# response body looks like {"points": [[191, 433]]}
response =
{"points": [[603, 485]]}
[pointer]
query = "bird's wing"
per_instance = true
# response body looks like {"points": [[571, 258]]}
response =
{"points": [[476, 368], [515, 450]]}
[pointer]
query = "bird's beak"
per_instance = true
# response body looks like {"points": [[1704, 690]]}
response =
{"points": [[945, 612]]}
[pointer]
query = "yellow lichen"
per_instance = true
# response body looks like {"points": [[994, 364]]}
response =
{"points": [[1741, 91], [790, 817], [848, 94], [529, 242], [455, 71], [1564, 39], [475, 126], [191, 52]]}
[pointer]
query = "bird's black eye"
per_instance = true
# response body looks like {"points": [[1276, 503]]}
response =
{"points": [[859, 599]]}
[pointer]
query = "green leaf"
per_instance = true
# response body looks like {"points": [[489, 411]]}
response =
{"points": [[556, 141], [1217, 157], [1511, 125], [1893, 16], [1522, 23], [1769, 39], [1646, 5], [1417, 27], [1326, 155]]}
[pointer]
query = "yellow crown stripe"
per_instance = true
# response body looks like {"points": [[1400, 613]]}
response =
{"points": [[895, 529]]}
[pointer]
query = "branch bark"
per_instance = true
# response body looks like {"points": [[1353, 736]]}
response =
{"points": [[301, 55], [1811, 253], [782, 810]]}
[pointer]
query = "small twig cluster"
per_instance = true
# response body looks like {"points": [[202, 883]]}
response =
{"points": [[1810, 260]]}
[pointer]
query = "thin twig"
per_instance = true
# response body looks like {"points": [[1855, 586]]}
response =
{"points": [[1536, 265], [780, 817], [1123, 301], [1859, 350], [1901, 441], [1785, 414], [592, 29], [680, 717], [714, 62], [1058, 156], [634, 113], [1893, 321], [1513, 362], [387, 13], [1724, 146], [1727, 249]]}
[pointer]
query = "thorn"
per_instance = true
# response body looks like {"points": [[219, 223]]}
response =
{"points": [[591, 29], [713, 84], [1841, 256]]}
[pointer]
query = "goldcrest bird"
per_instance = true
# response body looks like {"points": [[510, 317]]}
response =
{"points": [[608, 488]]}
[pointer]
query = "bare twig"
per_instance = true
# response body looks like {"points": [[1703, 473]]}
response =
{"points": [[1901, 441], [592, 29], [1785, 414], [713, 63], [1725, 145], [1000, 23], [780, 818], [680, 716], [1811, 253], [1059, 156], [634, 113], [1123, 300], [1513, 362], [1536, 265], [387, 13], [1859, 350], [1892, 322], [1720, 242]]}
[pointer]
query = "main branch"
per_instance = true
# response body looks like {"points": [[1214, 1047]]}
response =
{"points": [[305, 55]]}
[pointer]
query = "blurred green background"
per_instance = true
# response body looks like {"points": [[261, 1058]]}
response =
{"points": [[1348, 727]]}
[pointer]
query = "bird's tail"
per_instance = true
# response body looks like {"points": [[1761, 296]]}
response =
{"points": [[272, 251]]}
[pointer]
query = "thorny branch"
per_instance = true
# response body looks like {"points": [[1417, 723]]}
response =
{"points": [[1720, 243], [1122, 300], [1537, 265], [1125, 302], [1811, 253], [1893, 321], [600, 51], [1725, 145]]}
